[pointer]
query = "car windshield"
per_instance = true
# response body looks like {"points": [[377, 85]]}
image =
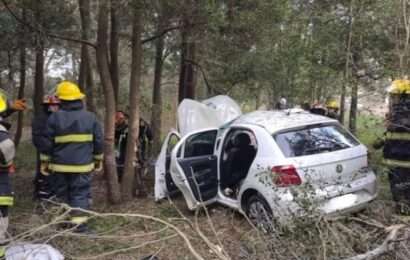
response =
{"points": [[314, 139]]}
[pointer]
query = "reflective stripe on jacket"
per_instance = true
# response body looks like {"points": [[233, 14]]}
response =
{"points": [[396, 163], [396, 151], [7, 152], [403, 136], [76, 138]]}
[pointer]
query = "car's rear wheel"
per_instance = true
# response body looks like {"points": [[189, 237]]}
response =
{"points": [[259, 213]]}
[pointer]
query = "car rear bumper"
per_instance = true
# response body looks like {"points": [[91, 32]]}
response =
{"points": [[328, 201]]}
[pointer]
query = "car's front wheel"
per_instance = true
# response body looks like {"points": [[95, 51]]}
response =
{"points": [[259, 213]]}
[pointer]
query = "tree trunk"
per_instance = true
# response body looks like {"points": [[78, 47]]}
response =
{"points": [[187, 73], [81, 75], [353, 108], [89, 83], [130, 158], [110, 168], [347, 65], [39, 80], [114, 41], [10, 75], [20, 119], [156, 95], [86, 80], [39, 66]]}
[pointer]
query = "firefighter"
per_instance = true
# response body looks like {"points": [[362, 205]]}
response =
{"points": [[332, 109], [144, 139], [396, 143], [75, 149], [121, 135], [42, 183], [7, 152]]}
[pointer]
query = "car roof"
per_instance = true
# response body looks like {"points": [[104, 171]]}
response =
{"points": [[278, 120]]}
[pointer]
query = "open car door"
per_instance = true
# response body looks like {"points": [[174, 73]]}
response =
{"points": [[164, 185], [194, 167]]}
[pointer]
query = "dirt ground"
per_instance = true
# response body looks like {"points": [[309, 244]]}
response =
{"points": [[116, 237], [111, 233], [218, 231]]}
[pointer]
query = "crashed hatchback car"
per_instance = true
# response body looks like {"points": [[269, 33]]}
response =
{"points": [[276, 163]]}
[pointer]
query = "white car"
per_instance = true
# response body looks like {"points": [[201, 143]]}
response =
{"points": [[276, 163]]}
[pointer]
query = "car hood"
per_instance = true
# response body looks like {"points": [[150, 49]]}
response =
{"points": [[210, 113]]}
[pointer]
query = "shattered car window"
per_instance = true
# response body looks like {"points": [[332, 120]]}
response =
{"points": [[200, 144], [314, 140]]}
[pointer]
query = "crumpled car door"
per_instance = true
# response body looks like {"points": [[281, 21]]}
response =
{"points": [[194, 167], [164, 185]]}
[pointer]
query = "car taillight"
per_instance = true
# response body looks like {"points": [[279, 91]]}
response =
{"points": [[284, 176]]}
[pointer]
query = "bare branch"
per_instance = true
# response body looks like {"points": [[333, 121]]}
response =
{"points": [[383, 248], [39, 30], [156, 36]]}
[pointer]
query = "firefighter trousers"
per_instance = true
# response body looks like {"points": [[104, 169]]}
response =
{"points": [[400, 185], [73, 189]]}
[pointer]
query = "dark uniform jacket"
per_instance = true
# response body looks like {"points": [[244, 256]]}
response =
{"points": [[145, 136], [39, 132], [75, 139], [396, 150], [121, 135], [7, 152]]}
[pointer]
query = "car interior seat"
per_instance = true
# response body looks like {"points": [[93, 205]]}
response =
{"points": [[239, 160]]}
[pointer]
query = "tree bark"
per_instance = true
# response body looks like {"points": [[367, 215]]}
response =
{"points": [[22, 47], [347, 65], [89, 79], [187, 77], [114, 42], [86, 80], [10, 67], [81, 74], [110, 168], [133, 124], [156, 121], [353, 108], [39, 80], [39, 64]]}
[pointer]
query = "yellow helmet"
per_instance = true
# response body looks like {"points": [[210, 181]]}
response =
{"points": [[400, 86], [3, 101], [332, 103], [69, 91]]}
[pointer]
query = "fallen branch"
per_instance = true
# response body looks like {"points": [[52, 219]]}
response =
{"points": [[384, 247]]}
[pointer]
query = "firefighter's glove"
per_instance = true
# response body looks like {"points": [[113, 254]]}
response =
{"points": [[19, 105], [98, 165], [44, 169]]}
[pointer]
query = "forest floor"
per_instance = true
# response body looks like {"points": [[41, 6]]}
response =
{"points": [[213, 232]]}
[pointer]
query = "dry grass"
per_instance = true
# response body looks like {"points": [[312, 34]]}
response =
{"points": [[137, 237], [315, 238]]}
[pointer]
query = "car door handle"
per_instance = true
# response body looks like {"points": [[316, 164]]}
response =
{"points": [[211, 157]]}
